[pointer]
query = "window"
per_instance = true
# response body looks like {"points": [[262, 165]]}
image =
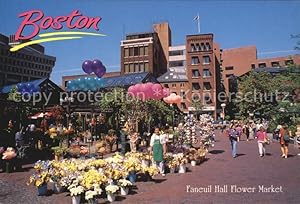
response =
{"points": [[195, 86], [126, 68], [198, 47], [207, 47], [176, 52], [136, 67], [173, 85], [183, 106], [202, 47], [289, 62], [206, 86], [253, 66], [262, 65], [195, 73], [275, 64], [207, 99], [141, 50], [142, 67], [181, 84], [206, 60], [195, 97], [183, 95], [229, 68], [146, 67], [166, 85], [229, 75], [206, 73], [195, 60], [131, 51], [136, 51], [126, 52], [176, 63], [146, 50], [131, 67], [193, 47]]}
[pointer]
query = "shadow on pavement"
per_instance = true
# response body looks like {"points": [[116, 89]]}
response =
{"points": [[240, 155], [216, 151], [159, 180]]}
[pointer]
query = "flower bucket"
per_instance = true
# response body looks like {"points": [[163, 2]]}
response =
{"points": [[57, 188], [76, 199], [172, 170], [42, 190], [193, 163], [182, 169], [92, 201], [111, 197], [124, 190], [8, 167], [132, 176], [146, 163]]}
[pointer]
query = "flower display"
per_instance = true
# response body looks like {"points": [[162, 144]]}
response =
{"points": [[89, 195], [151, 170], [76, 190], [39, 179], [111, 188], [9, 154], [132, 164], [92, 177]]}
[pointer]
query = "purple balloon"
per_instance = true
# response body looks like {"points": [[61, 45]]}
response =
{"points": [[96, 65], [100, 72], [87, 66]]}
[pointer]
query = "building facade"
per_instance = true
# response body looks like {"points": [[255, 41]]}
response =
{"points": [[146, 52], [27, 64], [203, 72]]}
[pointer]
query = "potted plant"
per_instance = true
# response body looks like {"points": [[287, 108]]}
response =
{"points": [[124, 186], [40, 182], [110, 191], [58, 152], [76, 191]]}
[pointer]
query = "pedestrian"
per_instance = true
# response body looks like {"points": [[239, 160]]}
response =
{"points": [[19, 137], [247, 131], [261, 141], [233, 138], [158, 146], [284, 140], [133, 137]]}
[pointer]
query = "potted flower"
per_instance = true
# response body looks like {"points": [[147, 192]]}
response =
{"points": [[40, 181], [76, 191], [58, 152], [151, 171], [132, 165], [110, 191], [124, 186], [172, 165]]}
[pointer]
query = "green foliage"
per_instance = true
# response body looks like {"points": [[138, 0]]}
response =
{"points": [[14, 95]]}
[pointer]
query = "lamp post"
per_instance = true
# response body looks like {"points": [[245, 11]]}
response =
{"points": [[223, 105]]}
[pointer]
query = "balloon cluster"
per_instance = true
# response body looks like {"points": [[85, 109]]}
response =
{"points": [[172, 98], [148, 91], [96, 66], [27, 88], [85, 84]]}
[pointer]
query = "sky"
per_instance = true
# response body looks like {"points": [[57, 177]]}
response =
{"points": [[266, 24]]}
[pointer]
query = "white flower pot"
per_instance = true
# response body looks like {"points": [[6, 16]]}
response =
{"points": [[76, 199], [193, 163], [111, 197], [182, 169], [124, 190]]}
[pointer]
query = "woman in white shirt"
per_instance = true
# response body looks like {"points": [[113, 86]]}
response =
{"points": [[158, 146]]}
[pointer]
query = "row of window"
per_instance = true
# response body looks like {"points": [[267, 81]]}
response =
{"points": [[174, 85], [10, 61], [179, 63], [136, 67], [200, 47], [176, 52], [273, 64], [206, 86], [27, 57], [196, 61], [196, 73], [136, 51], [23, 71]]}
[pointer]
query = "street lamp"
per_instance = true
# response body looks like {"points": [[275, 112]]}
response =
{"points": [[223, 105]]}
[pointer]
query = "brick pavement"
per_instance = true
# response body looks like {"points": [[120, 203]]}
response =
{"points": [[247, 170]]}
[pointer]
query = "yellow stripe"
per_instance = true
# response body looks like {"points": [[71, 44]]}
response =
{"points": [[22, 45], [69, 33]]}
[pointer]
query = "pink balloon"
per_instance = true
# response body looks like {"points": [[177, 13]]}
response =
{"points": [[166, 92], [132, 90], [166, 99], [157, 91]]}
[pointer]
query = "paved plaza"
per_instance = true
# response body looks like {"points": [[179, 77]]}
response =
{"points": [[247, 172]]}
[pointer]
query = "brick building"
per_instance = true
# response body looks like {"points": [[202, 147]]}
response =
{"points": [[146, 52], [27, 64]]}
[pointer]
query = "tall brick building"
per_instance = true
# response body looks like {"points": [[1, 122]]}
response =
{"points": [[146, 52]]}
